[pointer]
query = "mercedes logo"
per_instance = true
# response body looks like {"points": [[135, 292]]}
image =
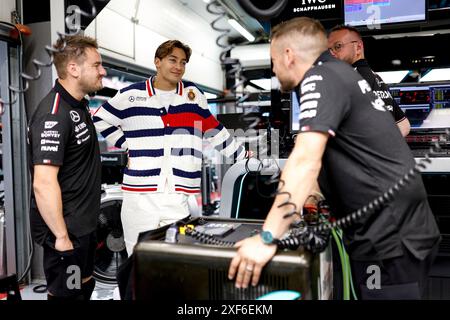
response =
{"points": [[75, 116]]}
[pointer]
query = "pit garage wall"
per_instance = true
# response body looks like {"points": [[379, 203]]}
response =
{"points": [[130, 31], [6, 7]]}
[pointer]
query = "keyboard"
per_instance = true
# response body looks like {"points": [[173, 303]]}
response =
{"points": [[420, 153]]}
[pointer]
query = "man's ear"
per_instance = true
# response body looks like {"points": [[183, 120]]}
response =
{"points": [[360, 46], [288, 56], [73, 69]]}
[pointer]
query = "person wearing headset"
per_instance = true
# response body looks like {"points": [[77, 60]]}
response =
{"points": [[342, 145]]}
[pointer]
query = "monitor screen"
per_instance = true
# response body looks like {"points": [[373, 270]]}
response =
{"points": [[295, 113], [375, 12], [426, 107], [438, 4]]}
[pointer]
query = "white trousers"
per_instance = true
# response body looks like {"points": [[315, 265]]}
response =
{"points": [[147, 211]]}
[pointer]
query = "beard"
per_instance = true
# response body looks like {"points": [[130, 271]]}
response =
{"points": [[350, 59], [286, 85], [90, 85]]}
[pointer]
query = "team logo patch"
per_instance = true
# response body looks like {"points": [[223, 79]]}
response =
{"points": [[75, 116], [191, 95], [50, 124]]}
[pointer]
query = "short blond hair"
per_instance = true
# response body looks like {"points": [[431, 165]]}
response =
{"points": [[306, 35], [71, 48]]}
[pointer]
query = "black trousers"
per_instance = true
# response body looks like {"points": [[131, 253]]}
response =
{"points": [[399, 278], [65, 270]]}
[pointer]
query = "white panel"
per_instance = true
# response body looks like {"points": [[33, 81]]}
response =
{"points": [[147, 42], [252, 56], [6, 6], [393, 76], [158, 21], [205, 71], [266, 84], [126, 8], [115, 33], [57, 24], [437, 75], [172, 20]]}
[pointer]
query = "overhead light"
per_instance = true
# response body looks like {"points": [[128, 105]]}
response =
{"points": [[241, 30], [393, 76], [206, 1], [436, 75]]}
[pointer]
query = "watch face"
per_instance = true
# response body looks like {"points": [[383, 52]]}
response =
{"points": [[267, 237]]}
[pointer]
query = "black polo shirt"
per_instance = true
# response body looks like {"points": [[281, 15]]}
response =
{"points": [[379, 88], [365, 155], [61, 133]]}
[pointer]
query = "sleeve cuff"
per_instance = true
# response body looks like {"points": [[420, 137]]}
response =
{"points": [[50, 162], [317, 128], [400, 120]]}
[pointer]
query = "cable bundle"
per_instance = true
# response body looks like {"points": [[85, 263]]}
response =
{"points": [[207, 239], [38, 64]]}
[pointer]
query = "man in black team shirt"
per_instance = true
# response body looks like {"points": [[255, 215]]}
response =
{"points": [[342, 144], [345, 43], [66, 171]]}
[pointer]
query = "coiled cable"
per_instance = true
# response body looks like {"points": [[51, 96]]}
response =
{"points": [[38, 64], [208, 239], [315, 237], [263, 14], [234, 70], [317, 233]]}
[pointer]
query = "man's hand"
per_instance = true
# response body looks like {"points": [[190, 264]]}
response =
{"points": [[251, 257], [63, 244]]}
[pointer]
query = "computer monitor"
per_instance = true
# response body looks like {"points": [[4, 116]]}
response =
{"points": [[415, 101], [439, 116], [381, 12], [426, 107], [438, 4], [294, 113]]}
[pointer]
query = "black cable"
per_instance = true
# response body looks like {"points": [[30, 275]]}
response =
{"points": [[233, 68], [40, 288], [30, 242], [208, 239], [38, 64], [11, 88], [316, 234], [263, 14], [314, 237]]}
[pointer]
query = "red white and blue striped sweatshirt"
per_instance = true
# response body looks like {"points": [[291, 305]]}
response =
{"points": [[163, 145]]}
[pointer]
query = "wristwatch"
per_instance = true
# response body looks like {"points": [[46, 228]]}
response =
{"points": [[267, 238]]}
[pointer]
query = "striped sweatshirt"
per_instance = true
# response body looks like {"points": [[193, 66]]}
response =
{"points": [[164, 146]]}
